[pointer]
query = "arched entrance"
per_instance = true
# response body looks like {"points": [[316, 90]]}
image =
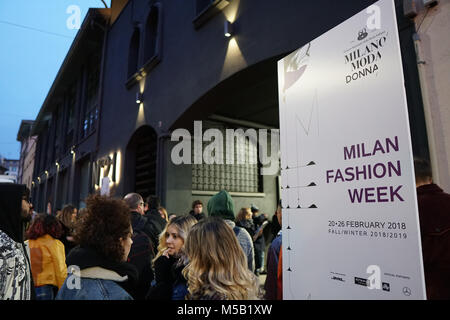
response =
{"points": [[140, 162]]}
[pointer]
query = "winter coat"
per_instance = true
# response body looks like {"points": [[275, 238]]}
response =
{"points": [[154, 226], [260, 242], [68, 245], [270, 286], [246, 243], [221, 205], [98, 279], [434, 214], [199, 216], [170, 283], [141, 254], [16, 282], [247, 225], [48, 261]]}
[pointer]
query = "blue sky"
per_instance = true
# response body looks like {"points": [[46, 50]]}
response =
{"points": [[34, 42]]}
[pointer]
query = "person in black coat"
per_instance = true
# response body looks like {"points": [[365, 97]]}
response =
{"points": [[260, 242], [197, 210], [143, 248], [155, 221], [434, 216], [170, 283]]}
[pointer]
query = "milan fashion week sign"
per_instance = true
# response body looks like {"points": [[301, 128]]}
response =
{"points": [[350, 217]]}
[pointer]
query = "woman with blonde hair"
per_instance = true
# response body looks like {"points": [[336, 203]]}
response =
{"points": [[67, 217], [217, 268], [163, 212], [169, 283]]}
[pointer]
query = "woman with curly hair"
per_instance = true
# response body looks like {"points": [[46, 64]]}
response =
{"points": [[48, 260], [67, 217], [217, 268], [169, 282], [97, 267]]}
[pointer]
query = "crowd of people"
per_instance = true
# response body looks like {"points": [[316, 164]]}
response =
{"points": [[130, 248]]}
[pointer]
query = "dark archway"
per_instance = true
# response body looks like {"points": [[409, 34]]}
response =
{"points": [[251, 95], [140, 162]]}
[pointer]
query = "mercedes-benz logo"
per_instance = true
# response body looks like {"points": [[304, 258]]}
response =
{"points": [[406, 291]]}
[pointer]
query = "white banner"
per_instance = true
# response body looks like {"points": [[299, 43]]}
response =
{"points": [[350, 218]]}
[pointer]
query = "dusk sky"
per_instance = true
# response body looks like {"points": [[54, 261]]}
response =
{"points": [[35, 39]]}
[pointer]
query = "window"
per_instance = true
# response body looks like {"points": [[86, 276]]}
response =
{"points": [[151, 34], [91, 107], [231, 177], [70, 124], [84, 183], [133, 53], [142, 60], [58, 122]]}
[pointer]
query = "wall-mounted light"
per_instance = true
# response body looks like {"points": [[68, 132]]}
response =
{"points": [[72, 150], [139, 98], [57, 163], [228, 29], [46, 172], [39, 179], [32, 183]]}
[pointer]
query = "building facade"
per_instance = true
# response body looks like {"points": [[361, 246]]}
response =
{"points": [[432, 45], [66, 126], [12, 168], [27, 153], [168, 65]]}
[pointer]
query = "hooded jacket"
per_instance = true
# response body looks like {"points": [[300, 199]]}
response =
{"points": [[221, 205], [16, 282]]}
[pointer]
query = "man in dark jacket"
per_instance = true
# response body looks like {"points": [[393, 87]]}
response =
{"points": [[221, 205], [142, 250], [258, 239], [434, 215], [156, 222], [197, 210]]}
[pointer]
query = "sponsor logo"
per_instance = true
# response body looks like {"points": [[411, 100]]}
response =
{"points": [[407, 291], [337, 278], [386, 286], [362, 34], [361, 281]]}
